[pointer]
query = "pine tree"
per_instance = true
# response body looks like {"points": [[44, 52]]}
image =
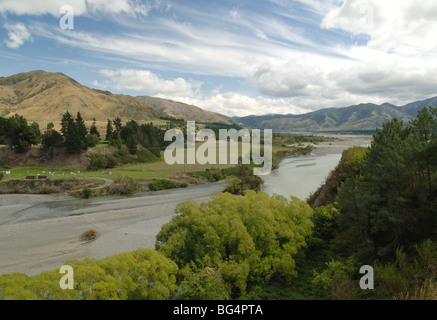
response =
{"points": [[93, 129], [70, 134], [109, 131]]}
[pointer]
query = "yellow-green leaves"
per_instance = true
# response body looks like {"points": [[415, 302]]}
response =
{"points": [[248, 239], [143, 274]]}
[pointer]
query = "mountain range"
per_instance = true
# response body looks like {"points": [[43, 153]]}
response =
{"points": [[362, 117], [44, 96]]}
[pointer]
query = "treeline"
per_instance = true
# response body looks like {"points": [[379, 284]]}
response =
{"points": [[132, 134], [75, 137], [18, 134], [379, 208]]}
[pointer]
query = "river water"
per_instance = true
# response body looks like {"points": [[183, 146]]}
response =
{"points": [[39, 233], [301, 176]]}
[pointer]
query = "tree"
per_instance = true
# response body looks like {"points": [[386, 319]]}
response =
{"points": [[82, 131], [70, 135], [93, 129], [248, 239], [143, 274], [51, 139], [74, 133], [117, 125], [18, 134], [109, 131]]}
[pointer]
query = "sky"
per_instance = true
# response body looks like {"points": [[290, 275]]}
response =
{"points": [[238, 58]]}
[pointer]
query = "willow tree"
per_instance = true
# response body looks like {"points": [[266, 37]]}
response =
{"points": [[248, 239]]}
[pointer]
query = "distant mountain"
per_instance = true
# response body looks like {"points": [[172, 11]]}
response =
{"points": [[187, 112], [358, 117], [413, 107]]}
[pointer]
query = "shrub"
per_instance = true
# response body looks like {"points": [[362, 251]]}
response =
{"points": [[86, 192], [162, 185], [123, 186], [244, 241], [97, 161], [89, 235], [233, 186], [111, 162], [92, 140]]}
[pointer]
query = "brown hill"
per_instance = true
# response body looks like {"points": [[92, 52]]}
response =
{"points": [[44, 96], [187, 112]]}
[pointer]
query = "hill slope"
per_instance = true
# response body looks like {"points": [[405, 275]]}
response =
{"points": [[187, 112], [359, 117], [40, 95]]}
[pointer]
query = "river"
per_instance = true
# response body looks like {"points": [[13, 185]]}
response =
{"points": [[41, 232]]}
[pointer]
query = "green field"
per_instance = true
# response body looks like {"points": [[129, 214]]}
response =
{"points": [[63, 174]]}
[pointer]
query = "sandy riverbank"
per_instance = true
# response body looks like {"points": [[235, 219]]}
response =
{"points": [[40, 232]]}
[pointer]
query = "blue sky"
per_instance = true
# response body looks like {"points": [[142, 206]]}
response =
{"points": [[234, 57]]}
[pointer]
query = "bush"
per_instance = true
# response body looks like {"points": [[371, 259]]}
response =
{"points": [[146, 156], [97, 162], [92, 140], [233, 186], [162, 185], [123, 186], [245, 241], [89, 235], [86, 192], [111, 162]]}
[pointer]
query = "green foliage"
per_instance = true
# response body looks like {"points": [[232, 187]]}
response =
{"points": [[162, 185], [93, 129], [92, 140], [51, 139], [16, 132], [97, 162], [109, 131], [205, 284], [233, 186], [86, 192], [335, 282], [74, 133], [325, 225], [117, 142], [141, 275], [249, 239], [412, 277]]}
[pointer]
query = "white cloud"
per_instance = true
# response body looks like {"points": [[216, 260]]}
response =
{"points": [[236, 104], [32, 7], [17, 34], [147, 82], [188, 91], [298, 66], [406, 26], [80, 7]]}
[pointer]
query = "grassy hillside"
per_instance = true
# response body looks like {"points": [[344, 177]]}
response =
{"points": [[43, 96], [187, 112]]}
